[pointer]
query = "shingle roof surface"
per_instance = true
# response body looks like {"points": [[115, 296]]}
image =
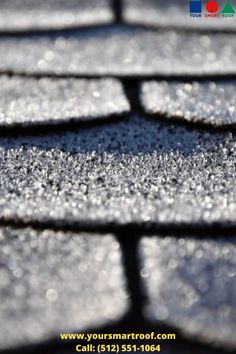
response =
{"points": [[55, 281], [171, 13], [79, 190], [31, 101], [211, 103], [190, 285], [120, 51], [23, 15], [132, 171]]}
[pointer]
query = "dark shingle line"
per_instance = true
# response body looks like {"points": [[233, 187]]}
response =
{"points": [[130, 83], [118, 10], [42, 129], [132, 231], [129, 248], [48, 32], [128, 79], [118, 20]]}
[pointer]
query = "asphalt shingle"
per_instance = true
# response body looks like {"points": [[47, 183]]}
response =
{"points": [[211, 103], [51, 282], [133, 170], [175, 14], [120, 51], [23, 15], [29, 101], [191, 285]]}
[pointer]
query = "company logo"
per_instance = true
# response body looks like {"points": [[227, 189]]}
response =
{"points": [[195, 8], [210, 8], [228, 10]]}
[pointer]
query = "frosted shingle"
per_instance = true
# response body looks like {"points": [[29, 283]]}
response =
{"points": [[211, 103], [23, 15], [191, 286], [174, 14], [29, 101], [120, 51], [52, 282], [132, 171]]}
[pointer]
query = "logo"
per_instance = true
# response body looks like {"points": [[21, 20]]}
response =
{"points": [[195, 8], [210, 8], [228, 10]]}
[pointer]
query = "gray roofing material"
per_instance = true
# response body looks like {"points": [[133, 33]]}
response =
{"points": [[108, 175], [33, 102], [30, 15], [131, 171], [174, 14], [211, 103], [54, 281], [191, 286], [120, 51]]}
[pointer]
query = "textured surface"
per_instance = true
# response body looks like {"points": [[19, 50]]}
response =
{"points": [[18, 15], [211, 103], [175, 13], [56, 281], [121, 51], [26, 101], [134, 170], [191, 285], [137, 170]]}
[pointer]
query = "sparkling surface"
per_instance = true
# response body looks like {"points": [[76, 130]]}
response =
{"points": [[191, 285], [51, 282], [121, 51], [18, 15], [173, 13], [211, 103], [134, 170], [28, 101]]}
